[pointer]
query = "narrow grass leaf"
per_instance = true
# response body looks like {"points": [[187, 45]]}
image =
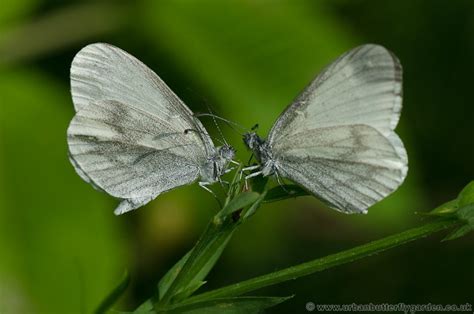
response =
{"points": [[466, 213], [181, 295], [201, 260], [283, 192], [446, 209], [146, 307], [240, 201], [459, 232], [251, 211], [236, 305], [466, 196], [115, 294], [170, 276]]}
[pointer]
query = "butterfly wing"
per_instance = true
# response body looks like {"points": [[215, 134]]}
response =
{"points": [[104, 72], [128, 136], [337, 138]]}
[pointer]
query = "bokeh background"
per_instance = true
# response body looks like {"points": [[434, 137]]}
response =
{"points": [[61, 247]]}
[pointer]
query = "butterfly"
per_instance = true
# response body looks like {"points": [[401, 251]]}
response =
{"points": [[131, 136], [337, 138]]}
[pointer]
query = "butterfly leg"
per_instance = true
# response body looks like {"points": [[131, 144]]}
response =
{"points": [[254, 174], [222, 182], [247, 169], [234, 162], [204, 185], [229, 170], [280, 182]]}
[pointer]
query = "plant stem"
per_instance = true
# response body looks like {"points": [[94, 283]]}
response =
{"points": [[202, 252], [207, 250], [320, 264]]}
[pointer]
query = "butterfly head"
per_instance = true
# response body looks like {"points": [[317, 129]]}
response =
{"points": [[226, 152], [252, 140]]}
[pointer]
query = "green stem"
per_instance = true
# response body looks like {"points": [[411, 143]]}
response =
{"points": [[214, 238], [201, 253], [325, 262]]}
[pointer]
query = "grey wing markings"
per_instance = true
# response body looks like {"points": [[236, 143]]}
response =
{"points": [[104, 72], [133, 164], [363, 86], [350, 167]]}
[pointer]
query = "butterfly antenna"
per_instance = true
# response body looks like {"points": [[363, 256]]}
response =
{"points": [[215, 121], [203, 133], [229, 123]]}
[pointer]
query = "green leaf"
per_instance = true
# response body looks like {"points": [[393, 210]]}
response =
{"points": [[237, 305], [235, 185], [251, 211], [164, 284], [114, 294], [317, 265], [211, 254], [459, 232], [448, 208], [240, 201], [466, 196], [146, 307], [283, 192], [170, 276], [181, 295], [466, 213], [201, 260], [258, 183]]}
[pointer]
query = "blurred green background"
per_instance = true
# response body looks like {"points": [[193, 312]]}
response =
{"points": [[61, 247]]}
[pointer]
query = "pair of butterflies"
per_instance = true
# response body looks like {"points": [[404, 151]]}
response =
{"points": [[133, 138]]}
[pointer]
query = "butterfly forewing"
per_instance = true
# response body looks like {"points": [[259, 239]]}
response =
{"points": [[104, 72]]}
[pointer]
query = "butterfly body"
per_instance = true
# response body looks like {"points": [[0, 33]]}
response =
{"points": [[261, 151]]}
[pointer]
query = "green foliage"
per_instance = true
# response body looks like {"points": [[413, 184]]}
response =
{"points": [[462, 208], [447, 208], [187, 275], [59, 247], [239, 305], [115, 294], [171, 275], [466, 196], [62, 249], [242, 200], [283, 192]]}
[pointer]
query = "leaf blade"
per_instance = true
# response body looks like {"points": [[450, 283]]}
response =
{"points": [[283, 192], [466, 196], [235, 305], [240, 201], [115, 294]]}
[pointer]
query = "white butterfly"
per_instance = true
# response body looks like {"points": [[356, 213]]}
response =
{"points": [[132, 136], [337, 138]]}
